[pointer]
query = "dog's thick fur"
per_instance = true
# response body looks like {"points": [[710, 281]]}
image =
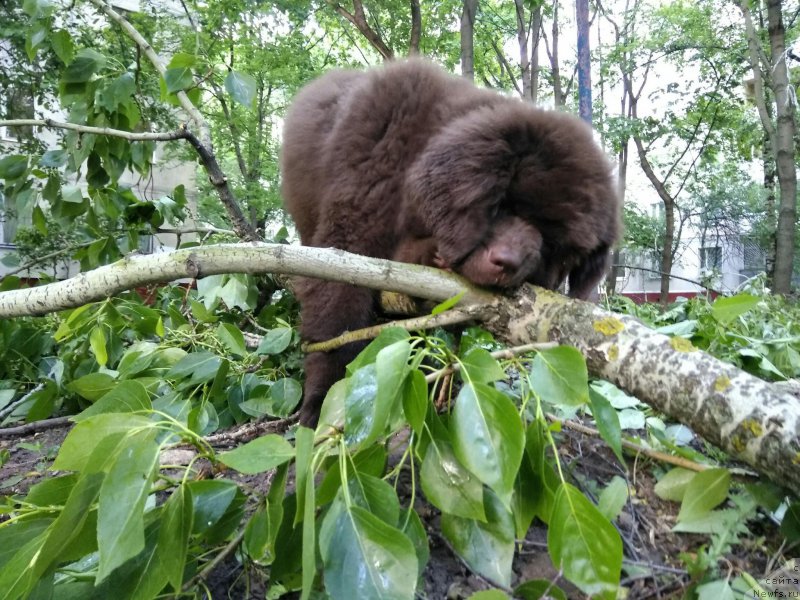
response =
{"points": [[409, 163]]}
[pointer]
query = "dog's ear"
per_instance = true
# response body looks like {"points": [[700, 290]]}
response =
{"points": [[584, 278], [456, 185]]}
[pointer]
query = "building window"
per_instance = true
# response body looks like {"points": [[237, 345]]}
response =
{"points": [[754, 258], [711, 258], [652, 262]]}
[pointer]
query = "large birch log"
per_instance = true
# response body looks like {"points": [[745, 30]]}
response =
{"points": [[755, 421]]}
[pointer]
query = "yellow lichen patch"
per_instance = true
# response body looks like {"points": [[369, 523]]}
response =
{"points": [[680, 344], [738, 444], [796, 459], [613, 352], [608, 326], [753, 427], [722, 383]]}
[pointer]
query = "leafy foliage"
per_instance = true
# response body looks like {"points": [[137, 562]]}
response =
{"points": [[168, 380], [754, 330]]}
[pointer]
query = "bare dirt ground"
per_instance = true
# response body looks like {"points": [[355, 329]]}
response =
{"points": [[645, 526]]}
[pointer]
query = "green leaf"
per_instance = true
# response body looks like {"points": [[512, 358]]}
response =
{"points": [[61, 42], [478, 366], [584, 544], [368, 355], [97, 341], [127, 396], [117, 93], [199, 367], [705, 491], [607, 421], [173, 536], [72, 194], [304, 448], [488, 437], [285, 394], [309, 554], [613, 498], [447, 304], [526, 500], [14, 536], [242, 87], [232, 338], [415, 400], [359, 401], [67, 527], [559, 376], [120, 513], [53, 159], [539, 588], [790, 526], [448, 485], [86, 63], [52, 491], [13, 166], [672, 486], [370, 461], [36, 34], [376, 496], [87, 435], [726, 309], [178, 78], [37, 9], [210, 499], [182, 59], [412, 526], [391, 369], [275, 341], [488, 548], [717, 590], [92, 386], [353, 541], [714, 522], [489, 595], [138, 578], [257, 533], [259, 455]]}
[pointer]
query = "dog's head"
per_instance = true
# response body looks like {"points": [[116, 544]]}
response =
{"points": [[512, 194]]}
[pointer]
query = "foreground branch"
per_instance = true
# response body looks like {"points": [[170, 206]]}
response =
{"points": [[194, 263]]}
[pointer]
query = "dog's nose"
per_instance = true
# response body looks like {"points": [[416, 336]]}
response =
{"points": [[508, 259]]}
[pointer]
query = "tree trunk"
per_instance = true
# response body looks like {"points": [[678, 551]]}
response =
{"points": [[784, 153], [622, 176], [769, 207], [416, 28], [467, 38], [779, 137], [669, 219], [555, 68], [528, 30], [584, 64]]}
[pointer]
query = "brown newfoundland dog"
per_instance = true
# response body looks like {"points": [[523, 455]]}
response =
{"points": [[409, 163]]}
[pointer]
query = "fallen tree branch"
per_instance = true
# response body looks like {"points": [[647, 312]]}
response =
{"points": [[753, 420], [194, 263], [35, 427], [450, 317]]}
